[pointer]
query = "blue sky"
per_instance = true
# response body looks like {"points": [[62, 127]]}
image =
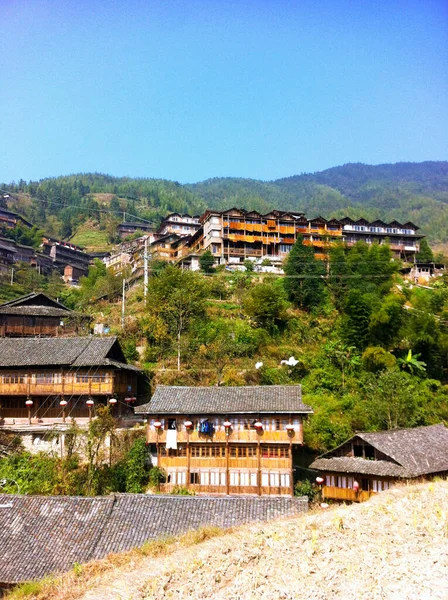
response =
{"points": [[188, 90]]}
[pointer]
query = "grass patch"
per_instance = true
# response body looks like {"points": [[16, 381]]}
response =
{"points": [[90, 238]]}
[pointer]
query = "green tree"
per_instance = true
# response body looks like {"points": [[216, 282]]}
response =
{"points": [[425, 254], [207, 261], [137, 470], [355, 323], [305, 276], [266, 304], [391, 400], [175, 299]]}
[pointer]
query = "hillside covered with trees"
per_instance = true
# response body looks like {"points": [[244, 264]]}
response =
{"points": [[402, 191]]}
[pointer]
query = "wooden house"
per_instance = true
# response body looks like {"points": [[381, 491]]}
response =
{"points": [[36, 315], [46, 371], [369, 463], [226, 440]]}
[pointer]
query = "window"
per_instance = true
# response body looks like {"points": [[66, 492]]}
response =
{"points": [[251, 452], [205, 477], [274, 479], [244, 478], [284, 480], [99, 378], [45, 378], [81, 378], [195, 451], [233, 452], [13, 378], [194, 477]]}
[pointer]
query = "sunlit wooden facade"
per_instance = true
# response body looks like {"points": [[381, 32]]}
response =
{"points": [[226, 440], [369, 463], [47, 371], [37, 315]]}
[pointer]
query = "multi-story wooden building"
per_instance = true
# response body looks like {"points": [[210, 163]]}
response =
{"points": [[37, 315], [236, 234], [369, 463], [180, 224], [226, 440], [74, 370], [403, 239]]}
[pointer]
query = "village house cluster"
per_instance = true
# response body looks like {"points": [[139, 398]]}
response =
{"points": [[235, 235]]}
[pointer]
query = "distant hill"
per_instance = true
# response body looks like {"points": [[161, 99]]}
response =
{"points": [[402, 191]]}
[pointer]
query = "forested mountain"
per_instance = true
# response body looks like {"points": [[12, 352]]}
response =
{"points": [[402, 191]]}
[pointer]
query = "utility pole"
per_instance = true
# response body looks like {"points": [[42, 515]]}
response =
{"points": [[123, 303], [12, 275], [145, 270]]}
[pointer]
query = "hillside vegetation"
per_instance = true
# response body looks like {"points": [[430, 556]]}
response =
{"points": [[403, 191], [393, 546]]}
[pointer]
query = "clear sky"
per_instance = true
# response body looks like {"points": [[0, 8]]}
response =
{"points": [[192, 89]]}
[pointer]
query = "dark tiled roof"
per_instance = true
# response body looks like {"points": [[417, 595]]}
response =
{"points": [[413, 452], [35, 311], [346, 464], [420, 450], [75, 352], [225, 400], [43, 535], [34, 304], [34, 299]]}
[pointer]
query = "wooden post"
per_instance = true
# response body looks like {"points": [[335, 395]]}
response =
{"points": [[291, 483], [259, 467], [227, 464], [187, 485]]}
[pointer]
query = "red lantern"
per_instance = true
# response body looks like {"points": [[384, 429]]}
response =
{"points": [[129, 400], [319, 480], [227, 424], [355, 485], [29, 403], [90, 402], [63, 403], [113, 401], [157, 424], [188, 424], [290, 427], [258, 425]]}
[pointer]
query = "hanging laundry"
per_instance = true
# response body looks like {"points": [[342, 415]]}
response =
{"points": [[171, 438]]}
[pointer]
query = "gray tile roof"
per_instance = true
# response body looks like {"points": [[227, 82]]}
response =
{"points": [[35, 311], [225, 400], [53, 351], [34, 299], [413, 452], [361, 466], [421, 450], [42, 535]]}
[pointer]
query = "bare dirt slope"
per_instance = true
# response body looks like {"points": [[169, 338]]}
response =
{"points": [[393, 547]]}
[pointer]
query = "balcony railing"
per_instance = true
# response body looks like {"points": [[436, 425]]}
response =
{"points": [[245, 436], [347, 494]]}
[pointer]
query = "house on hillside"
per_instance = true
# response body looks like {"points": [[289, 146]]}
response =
{"points": [[369, 463], [75, 370], [38, 315], [226, 440]]}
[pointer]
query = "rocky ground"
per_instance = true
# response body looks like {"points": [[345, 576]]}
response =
{"points": [[393, 547]]}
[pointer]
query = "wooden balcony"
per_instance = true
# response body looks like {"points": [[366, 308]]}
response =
{"points": [[181, 462], [345, 494], [251, 490], [246, 436]]}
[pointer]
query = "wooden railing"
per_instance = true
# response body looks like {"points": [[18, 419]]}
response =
{"points": [[167, 488], [347, 494], [247, 435], [220, 462]]}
